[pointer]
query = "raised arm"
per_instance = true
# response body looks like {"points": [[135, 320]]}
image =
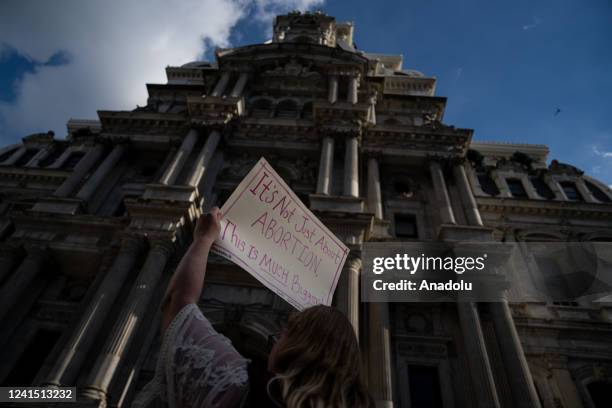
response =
{"points": [[186, 284]]}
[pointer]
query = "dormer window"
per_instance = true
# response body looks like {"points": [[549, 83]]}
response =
{"points": [[597, 192], [516, 188], [26, 157], [571, 191]]}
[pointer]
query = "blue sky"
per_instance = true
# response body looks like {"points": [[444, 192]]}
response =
{"points": [[505, 66]]}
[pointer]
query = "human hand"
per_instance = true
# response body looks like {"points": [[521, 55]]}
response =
{"points": [[208, 226]]}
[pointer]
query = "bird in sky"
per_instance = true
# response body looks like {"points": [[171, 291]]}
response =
{"points": [[558, 111]]}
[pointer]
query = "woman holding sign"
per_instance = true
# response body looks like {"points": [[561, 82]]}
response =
{"points": [[315, 362]]}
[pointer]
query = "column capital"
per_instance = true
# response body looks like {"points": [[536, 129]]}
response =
{"points": [[162, 244], [133, 241], [353, 261]]}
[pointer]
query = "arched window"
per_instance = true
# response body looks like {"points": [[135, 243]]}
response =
{"points": [[287, 109], [261, 108]]}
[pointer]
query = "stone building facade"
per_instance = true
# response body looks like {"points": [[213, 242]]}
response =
{"points": [[92, 226]]}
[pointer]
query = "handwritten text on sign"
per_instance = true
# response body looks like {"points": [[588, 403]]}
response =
{"points": [[269, 232]]}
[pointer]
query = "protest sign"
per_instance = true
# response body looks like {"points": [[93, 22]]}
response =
{"points": [[269, 232]]}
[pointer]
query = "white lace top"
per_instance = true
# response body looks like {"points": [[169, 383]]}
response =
{"points": [[197, 367]]}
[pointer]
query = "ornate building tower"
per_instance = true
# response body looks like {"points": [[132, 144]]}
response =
{"points": [[93, 224]]}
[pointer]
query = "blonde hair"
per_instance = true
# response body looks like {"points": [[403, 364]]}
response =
{"points": [[318, 363]]}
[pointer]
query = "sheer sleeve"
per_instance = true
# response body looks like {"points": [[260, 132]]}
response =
{"points": [[196, 367]]}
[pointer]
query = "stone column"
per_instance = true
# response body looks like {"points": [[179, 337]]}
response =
{"points": [[353, 89], [72, 356], [203, 160], [326, 166], [18, 283], [240, 84], [80, 171], [374, 194], [176, 165], [221, 85], [9, 257], [333, 89], [380, 372], [15, 156], [478, 359], [101, 173], [127, 323], [439, 184], [351, 167], [347, 299], [517, 369], [469, 202]]}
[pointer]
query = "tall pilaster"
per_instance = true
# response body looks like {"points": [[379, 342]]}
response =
{"points": [[80, 171], [469, 202], [353, 89], [240, 84], [380, 371], [374, 194], [519, 375], [19, 281], [101, 173], [72, 356], [478, 359], [439, 184], [347, 299], [221, 85], [333, 89], [204, 158], [351, 167], [326, 166], [129, 320], [176, 165]]}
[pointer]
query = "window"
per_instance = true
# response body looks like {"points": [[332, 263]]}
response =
{"points": [[53, 156], [599, 393], [488, 185], [287, 109], [406, 226], [403, 189], [72, 160], [516, 188], [262, 108], [424, 386], [6, 155], [542, 188], [597, 192], [26, 157], [32, 358], [307, 111], [571, 191]]}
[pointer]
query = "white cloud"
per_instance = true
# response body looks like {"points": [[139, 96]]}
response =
{"points": [[115, 46], [604, 154], [536, 22]]}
